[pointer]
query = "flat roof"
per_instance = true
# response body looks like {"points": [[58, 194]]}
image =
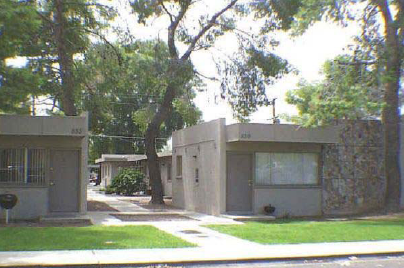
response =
{"points": [[128, 157], [44, 125]]}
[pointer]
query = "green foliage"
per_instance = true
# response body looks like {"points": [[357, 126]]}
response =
{"points": [[109, 189], [17, 85], [245, 78], [278, 14], [348, 91], [245, 75], [122, 87], [29, 29], [128, 181], [18, 20]]}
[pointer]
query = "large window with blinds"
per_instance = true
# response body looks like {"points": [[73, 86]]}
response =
{"points": [[286, 169], [22, 166]]}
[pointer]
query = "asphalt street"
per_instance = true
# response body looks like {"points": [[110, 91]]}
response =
{"points": [[396, 261], [388, 261]]}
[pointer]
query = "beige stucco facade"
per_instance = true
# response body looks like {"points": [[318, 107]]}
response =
{"points": [[64, 137], [211, 154], [203, 148]]}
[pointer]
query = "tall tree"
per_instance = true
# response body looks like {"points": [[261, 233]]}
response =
{"points": [[65, 34], [17, 21], [55, 33], [121, 86], [382, 37], [244, 77]]}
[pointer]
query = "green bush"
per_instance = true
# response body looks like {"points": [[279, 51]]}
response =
{"points": [[109, 190], [128, 181]]}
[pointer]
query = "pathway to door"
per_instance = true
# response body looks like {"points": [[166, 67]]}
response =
{"points": [[184, 224]]}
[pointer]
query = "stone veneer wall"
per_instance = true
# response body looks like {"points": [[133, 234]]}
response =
{"points": [[353, 171]]}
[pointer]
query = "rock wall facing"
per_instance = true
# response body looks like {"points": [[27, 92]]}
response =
{"points": [[353, 170]]}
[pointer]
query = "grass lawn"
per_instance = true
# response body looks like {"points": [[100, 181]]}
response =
{"points": [[89, 237], [292, 232]]}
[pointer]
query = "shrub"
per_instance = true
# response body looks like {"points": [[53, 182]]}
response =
{"points": [[109, 190], [128, 181]]}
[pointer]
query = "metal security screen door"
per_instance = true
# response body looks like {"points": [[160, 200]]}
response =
{"points": [[64, 181], [239, 183]]}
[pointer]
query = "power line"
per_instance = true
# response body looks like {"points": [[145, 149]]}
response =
{"points": [[122, 137]]}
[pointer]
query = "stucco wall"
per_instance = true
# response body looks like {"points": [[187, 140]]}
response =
{"points": [[353, 170], [202, 148], [289, 201], [32, 202], [281, 133], [30, 193]]}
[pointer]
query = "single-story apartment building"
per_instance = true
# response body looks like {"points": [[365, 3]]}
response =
{"points": [[241, 168], [43, 161], [112, 163]]}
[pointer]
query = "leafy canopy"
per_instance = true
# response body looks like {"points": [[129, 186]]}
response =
{"points": [[349, 91]]}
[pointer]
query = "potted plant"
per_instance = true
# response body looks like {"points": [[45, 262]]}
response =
{"points": [[269, 209]]}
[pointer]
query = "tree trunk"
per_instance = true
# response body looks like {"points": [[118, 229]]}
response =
{"points": [[390, 114], [65, 60], [152, 133], [153, 166]]}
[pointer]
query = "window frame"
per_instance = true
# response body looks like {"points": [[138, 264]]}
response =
{"points": [[26, 164], [288, 185], [178, 166]]}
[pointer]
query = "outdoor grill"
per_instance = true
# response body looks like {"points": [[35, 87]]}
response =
{"points": [[7, 202]]}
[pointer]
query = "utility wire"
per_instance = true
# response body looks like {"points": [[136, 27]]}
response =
{"points": [[122, 137]]}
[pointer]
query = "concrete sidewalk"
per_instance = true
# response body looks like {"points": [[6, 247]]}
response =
{"points": [[193, 255], [212, 246]]}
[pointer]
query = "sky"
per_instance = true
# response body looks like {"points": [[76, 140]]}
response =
{"points": [[306, 53]]}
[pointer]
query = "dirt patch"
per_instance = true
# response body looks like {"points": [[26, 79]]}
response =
{"points": [[145, 203], [99, 206], [151, 217]]}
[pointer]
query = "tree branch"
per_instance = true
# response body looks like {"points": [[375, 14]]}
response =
{"points": [[204, 76], [210, 24], [384, 8], [356, 63], [168, 12], [118, 54], [173, 27]]}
